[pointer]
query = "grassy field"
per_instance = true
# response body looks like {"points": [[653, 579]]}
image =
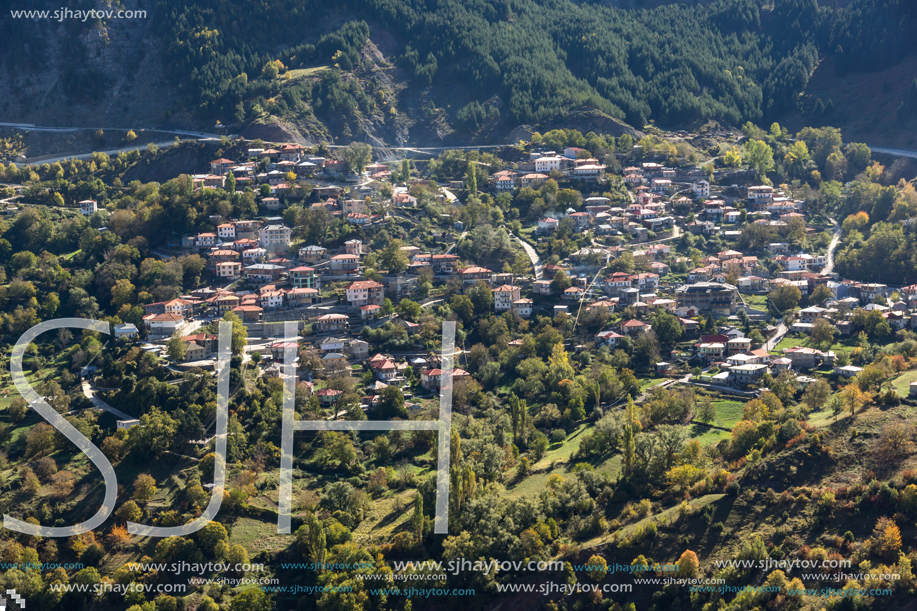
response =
{"points": [[561, 455], [668, 514], [531, 485], [257, 536], [304, 72], [756, 301], [728, 412], [824, 418], [902, 384], [382, 520], [562, 452], [707, 436], [795, 340]]}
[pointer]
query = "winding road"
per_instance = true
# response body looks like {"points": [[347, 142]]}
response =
{"points": [[897, 152], [773, 341], [90, 394], [835, 240], [533, 256]]}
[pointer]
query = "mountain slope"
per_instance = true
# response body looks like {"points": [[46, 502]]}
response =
{"points": [[432, 71]]}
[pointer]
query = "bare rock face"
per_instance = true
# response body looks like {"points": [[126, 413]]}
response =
{"points": [[276, 130]]}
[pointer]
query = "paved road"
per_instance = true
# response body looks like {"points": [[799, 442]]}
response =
{"points": [[111, 152], [772, 342], [91, 395], [454, 244], [533, 256], [898, 152], [829, 268], [38, 128]]}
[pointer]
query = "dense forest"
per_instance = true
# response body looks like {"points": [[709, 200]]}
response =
{"points": [[673, 65], [520, 61], [873, 34]]}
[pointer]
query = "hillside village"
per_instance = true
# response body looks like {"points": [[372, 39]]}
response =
{"points": [[515, 305], [657, 294], [729, 328]]}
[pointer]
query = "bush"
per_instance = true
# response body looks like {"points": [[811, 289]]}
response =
{"points": [[788, 430], [558, 436], [733, 489], [344, 518]]}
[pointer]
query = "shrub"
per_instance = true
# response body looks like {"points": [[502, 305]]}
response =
{"points": [[558, 436], [649, 531], [788, 430], [752, 550]]}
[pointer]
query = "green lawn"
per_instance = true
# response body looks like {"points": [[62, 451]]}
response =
{"points": [[563, 451], [825, 418], [790, 341], [531, 485]]}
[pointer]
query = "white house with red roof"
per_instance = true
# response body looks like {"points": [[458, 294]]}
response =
{"points": [[504, 296], [370, 311], [431, 378], [548, 224], [364, 292], [609, 338]]}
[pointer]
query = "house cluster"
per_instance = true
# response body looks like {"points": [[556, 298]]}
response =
{"points": [[770, 206], [839, 313], [574, 163], [279, 168], [740, 365], [163, 319], [647, 214]]}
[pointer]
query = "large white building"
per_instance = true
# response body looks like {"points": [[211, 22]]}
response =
{"points": [[163, 325], [88, 207], [274, 238], [547, 164], [504, 296]]}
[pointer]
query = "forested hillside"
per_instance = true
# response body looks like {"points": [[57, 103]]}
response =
{"points": [[527, 59], [407, 69]]}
